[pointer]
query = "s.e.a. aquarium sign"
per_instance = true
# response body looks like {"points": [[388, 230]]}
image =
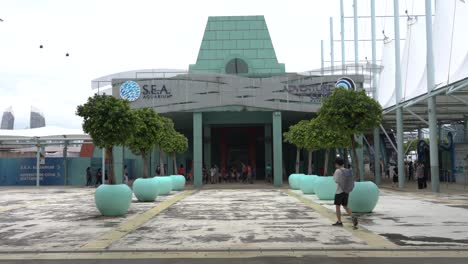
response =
{"points": [[132, 91]]}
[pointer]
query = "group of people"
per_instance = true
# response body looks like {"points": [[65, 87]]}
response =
{"points": [[410, 168], [242, 173], [97, 180]]}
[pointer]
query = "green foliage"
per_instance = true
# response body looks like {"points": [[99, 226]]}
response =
{"points": [[321, 136], [147, 127], [167, 129], [176, 143], [108, 120], [297, 134], [349, 112]]}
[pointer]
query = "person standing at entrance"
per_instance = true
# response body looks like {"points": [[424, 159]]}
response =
{"points": [[411, 170], [99, 177], [344, 185], [420, 175], [126, 174], [249, 173], [268, 173], [181, 170], [89, 177]]}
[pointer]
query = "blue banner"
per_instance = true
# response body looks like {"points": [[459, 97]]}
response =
{"points": [[22, 171]]}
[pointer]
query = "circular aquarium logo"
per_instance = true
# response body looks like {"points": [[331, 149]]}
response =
{"points": [[346, 83], [130, 90]]}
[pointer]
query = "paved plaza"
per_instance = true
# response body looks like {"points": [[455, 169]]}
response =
{"points": [[49, 223]]}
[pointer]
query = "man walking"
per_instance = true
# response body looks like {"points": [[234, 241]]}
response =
{"points": [[344, 185]]}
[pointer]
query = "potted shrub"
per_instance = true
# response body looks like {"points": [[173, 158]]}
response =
{"points": [[175, 143], [143, 140], [110, 122]]}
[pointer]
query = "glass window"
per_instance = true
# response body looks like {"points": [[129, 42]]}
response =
{"points": [[236, 66]]}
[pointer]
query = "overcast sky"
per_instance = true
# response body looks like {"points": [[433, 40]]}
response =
{"points": [[109, 36]]}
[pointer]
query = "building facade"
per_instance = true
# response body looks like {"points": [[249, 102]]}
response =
{"points": [[234, 103]]}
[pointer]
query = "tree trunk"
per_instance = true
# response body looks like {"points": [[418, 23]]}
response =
{"points": [[309, 170], [161, 162], [325, 166], [110, 165], [298, 154], [174, 162], [145, 164], [355, 158]]}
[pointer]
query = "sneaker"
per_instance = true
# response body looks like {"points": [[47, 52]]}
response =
{"points": [[337, 224], [355, 221]]}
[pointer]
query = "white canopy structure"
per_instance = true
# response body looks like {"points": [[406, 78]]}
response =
{"points": [[43, 133], [451, 69]]}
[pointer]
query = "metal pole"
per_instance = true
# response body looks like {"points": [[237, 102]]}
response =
{"points": [[323, 59], [399, 114], [378, 177], [343, 57], [332, 51], [65, 162], [38, 164], [103, 165], [431, 104], [356, 47], [359, 151]]}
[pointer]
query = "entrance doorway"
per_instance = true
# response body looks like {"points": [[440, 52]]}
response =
{"points": [[233, 146]]}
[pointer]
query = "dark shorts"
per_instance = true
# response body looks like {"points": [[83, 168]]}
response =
{"points": [[341, 199]]}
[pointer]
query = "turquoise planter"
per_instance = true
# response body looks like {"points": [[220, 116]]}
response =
{"points": [[325, 188], [164, 185], [113, 200], [178, 182], [145, 190], [364, 197], [294, 181], [307, 183]]}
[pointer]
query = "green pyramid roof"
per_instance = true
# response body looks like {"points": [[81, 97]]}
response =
{"points": [[237, 37]]}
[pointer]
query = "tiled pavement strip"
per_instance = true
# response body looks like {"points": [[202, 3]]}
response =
{"points": [[99, 246]]}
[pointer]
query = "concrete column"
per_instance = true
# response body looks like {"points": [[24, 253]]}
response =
{"points": [[268, 145], [207, 146], [197, 150], [420, 134], [277, 150], [466, 129], [431, 103]]}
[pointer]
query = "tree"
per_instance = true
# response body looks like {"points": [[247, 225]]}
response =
{"points": [[351, 113], [310, 141], [324, 137], [109, 121], [145, 137], [175, 143], [164, 134], [296, 136]]}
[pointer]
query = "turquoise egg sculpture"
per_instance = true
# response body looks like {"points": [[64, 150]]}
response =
{"points": [[325, 188], [364, 197]]}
